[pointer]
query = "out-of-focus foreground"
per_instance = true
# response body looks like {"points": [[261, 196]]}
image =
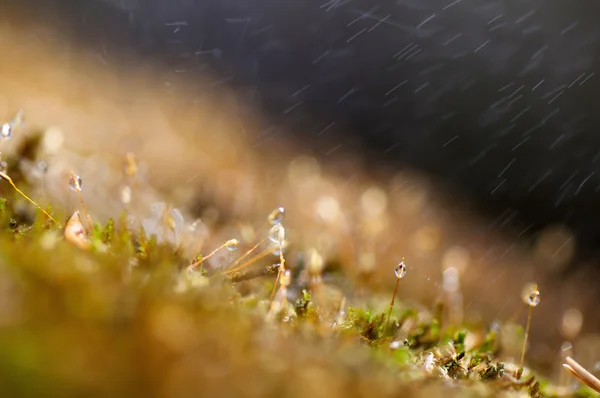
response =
{"points": [[197, 154]]}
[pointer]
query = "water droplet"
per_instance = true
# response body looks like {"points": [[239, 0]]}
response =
{"points": [[286, 278], [531, 294], [3, 166], [284, 245], [126, 194], [15, 122], [276, 216], [6, 131], [394, 345], [75, 183], [232, 245], [400, 270], [277, 234]]}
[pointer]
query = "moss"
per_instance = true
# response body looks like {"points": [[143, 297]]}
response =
{"points": [[125, 318]]}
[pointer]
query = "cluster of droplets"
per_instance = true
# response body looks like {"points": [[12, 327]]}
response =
{"points": [[15, 122]]}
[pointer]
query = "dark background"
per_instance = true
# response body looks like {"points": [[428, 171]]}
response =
{"points": [[498, 99]]}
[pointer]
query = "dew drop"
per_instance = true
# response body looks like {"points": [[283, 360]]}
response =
{"points": [[15, 122], [286, 278], [75, 183], [232, 245], [400, 270], [276, 216], [6, 131], [531, 295], [277, 234], [3, 166]]}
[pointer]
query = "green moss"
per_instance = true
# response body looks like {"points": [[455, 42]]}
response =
{"points": [[126, 319]]}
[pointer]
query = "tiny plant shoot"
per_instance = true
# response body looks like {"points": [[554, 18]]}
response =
{"points": [[10, 181], [274, 218], [6, 131], [277, 237], [531, 298], [76, 185], [231, 245], [131, 170], [400, 272]]}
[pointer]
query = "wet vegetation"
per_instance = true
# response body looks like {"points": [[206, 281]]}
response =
{"points": [[125, 308]]}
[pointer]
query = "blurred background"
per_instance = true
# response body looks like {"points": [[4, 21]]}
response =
{"points": [[455, 134]]}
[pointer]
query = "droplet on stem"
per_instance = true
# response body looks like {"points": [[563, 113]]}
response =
{"points": [[6, 131], [276, 216], [400, 270], [232, 245], [277, 234], [531, 295], [286, 278], [75, 183], [15, 122]]}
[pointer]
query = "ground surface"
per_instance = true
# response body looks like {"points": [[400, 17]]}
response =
{"points": [[98, 111]]}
